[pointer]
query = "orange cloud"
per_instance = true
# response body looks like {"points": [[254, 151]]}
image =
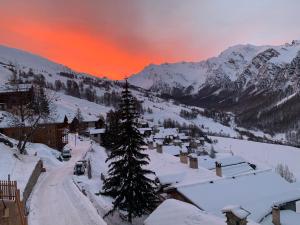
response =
{"points": [[77, 49]]}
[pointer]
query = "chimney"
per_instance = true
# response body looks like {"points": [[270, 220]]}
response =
{"points": [[183, 157], [276, 215], [236, 215], [193, 161], [218, 169], [159, 147]]}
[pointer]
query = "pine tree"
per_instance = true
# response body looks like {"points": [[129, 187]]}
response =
{"points": [[127, 181], [111, 129], [41, 101]]}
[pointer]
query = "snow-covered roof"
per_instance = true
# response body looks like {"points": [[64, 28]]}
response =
{"points": [[174, 212], [21, 88], [235, 170], [256, 193], [172, 149], [97, 131], [165, 132], [287, 217], [169, 170], [143, 129], [231, 165], [236, 210], [210, 163], [182, 136]]}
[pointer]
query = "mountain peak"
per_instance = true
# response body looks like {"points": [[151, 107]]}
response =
{"points": [[228, 66]]}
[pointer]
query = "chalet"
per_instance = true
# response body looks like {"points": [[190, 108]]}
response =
{"points": [[171, 173], [96, 134], [145, 131], [11, 98], [76, 126], [269, 192], [183, 137], [174, 212], [54, 135], [165, 133], [226, 166], [143, 123], [172, 150]]}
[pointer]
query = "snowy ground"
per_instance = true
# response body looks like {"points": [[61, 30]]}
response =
{"points": [[261, 153], [91, 187], [57, 200], [19, 166]]}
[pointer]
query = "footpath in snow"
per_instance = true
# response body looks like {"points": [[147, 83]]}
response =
{"points": [[57, 200]]}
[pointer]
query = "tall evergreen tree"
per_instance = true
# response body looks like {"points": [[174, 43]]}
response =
{"points": [[111, 128], [128, 181]]}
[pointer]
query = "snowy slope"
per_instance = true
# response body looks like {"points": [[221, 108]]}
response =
{"points": [[27, 60], [20, 167], [68, 105], [263, 154]]}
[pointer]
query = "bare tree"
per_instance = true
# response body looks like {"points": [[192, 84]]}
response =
{"points": [[284, 171], [30, 113]]}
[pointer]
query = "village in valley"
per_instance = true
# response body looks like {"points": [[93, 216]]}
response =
{"points": [[143, 112], [199, 179]]}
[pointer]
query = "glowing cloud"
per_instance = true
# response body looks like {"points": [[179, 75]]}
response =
{"points": [[119, 37]]}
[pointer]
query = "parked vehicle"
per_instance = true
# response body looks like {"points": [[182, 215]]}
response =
{"points": [[79, 168], [66, 154]]}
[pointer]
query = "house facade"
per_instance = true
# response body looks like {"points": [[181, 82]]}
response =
{"points": [[13, 98], [54, 135]]}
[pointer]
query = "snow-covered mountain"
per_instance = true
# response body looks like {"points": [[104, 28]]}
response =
{"points": [[94, 96], [240, 64], [260, 84], [193, 75], [229, 84]]}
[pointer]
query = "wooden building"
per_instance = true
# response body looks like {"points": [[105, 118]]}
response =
{"points": [[13, 98], [81, 127], [54, 135], [97, 134]]}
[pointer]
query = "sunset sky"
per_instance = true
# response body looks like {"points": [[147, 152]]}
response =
{"points": [[119, 37]]}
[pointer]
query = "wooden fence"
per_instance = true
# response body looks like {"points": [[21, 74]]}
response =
{"points": [[10, 192]]}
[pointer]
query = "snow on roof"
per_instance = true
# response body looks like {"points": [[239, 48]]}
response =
{"points": [[256, 193], [186, 144], [9, 88], [8, 120], [210, 163], [174, 212], [238, 211], [234, 170], [97, 131], [169, 170], [287, 217], [231, 165], [164, 132], [183, 136], [143, 129], [172, 149]]}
